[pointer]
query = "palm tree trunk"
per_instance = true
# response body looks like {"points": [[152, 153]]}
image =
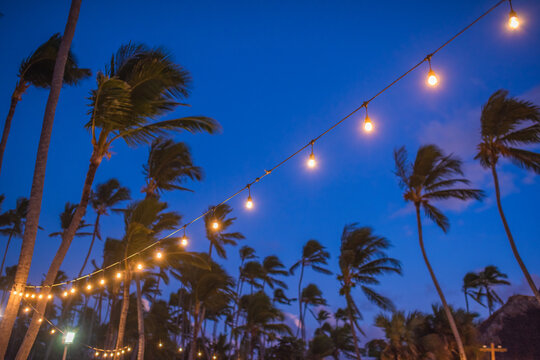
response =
{"points": [[125, 308], [451, 320], [36, 193], [67, 238], [4, 257], [466, 300], [196, 325], [96, 228], [15, 98], [300, 301], [511, 238], [353, 331], [140, 318]]}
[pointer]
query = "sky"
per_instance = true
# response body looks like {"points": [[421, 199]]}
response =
{"points": [[275, 75]]}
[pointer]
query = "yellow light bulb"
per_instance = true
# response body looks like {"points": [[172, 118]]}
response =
{"points": [[180, 350], [199, 354], [432, 78], [249, 202], [33, 296], [118, 353], [102, 282], [513, 20], [49, 296], [105, 355], [215, 225], [53, 331], [311, 161], [159, 255], [214, 357], [73, 290], [40, 296], [40, 320], [89, 287], [65, 294], [139, 266], [26, 309], [184, 241], [368, 125], [123, 351], [129, 349], [119, 275], [160, 345], [97, 354], [27, 295]]}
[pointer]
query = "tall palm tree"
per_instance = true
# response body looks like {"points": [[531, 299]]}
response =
{"points": [[470, 283], [508, 124], [38, 181], [311, 296], [13, 220], [107, 195], [487, 278], [218, 237], [37, 70], [362, 259], [403, 334], [433, 176], [314, 256], [169, 165], [140, 85], [246, 253]]}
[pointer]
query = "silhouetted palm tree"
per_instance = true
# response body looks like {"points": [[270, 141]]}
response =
{"points": [[169, 165], [507, 125], [487, 278], [37, 70], [272, 267], [433, 176], [470, 283], [107, 195], [362, 259], [140, 85], [403, 334], [314, 256], [13, 224], [218, 237]]}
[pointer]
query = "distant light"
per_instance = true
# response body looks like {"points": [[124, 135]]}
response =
{"points": [[70, 336], [53, 331], [159, 255], [139, 266], [89, 287], [184, 241], [102, 282], [215, 225], [118, 275]]}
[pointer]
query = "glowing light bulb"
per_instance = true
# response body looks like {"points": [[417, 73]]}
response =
{"points": [[40, 296], [26, 309], [33, 296], [96, 354], [184, 241], [513, 20], [105, 355], [119, 275], [40, 320], [180, 350], [49, 297], [432, 78], [89, 287], [215, 225], [118, 353], [123, 351], [129, 349], [27, 295], [199, 354], [159, 255], [102, 282], [53, 331], [368, 125], [249, 202], [72, 290], [139, 266], [65, 294], [160, 345], [214, 357], [311, 161]]}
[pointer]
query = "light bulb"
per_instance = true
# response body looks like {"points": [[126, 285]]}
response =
{"points": [[27, 295], [215, 225], [49, 296], [311, 161], [129, 349], [118, 353], [160, 345], [119, 275], [139, 266], [199, 354], [102, 282], [105, 355], [40, 320], [368, 125], [40, 296], [432, 78], [33, 296], [96, 354], [184, 241], [53, 331], [26, 309], [73, 290], [159, 255], [180, 350], [513, 20], [249, 202], [89, 287], [65, 294], [123, 351]]}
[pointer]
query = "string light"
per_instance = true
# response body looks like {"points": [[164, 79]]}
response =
{"points": [[199, 354], [432, 78], [40, 320], [65, 294], [33, 296], [159, 255], [53, 331], [73, 290], [368, 125], [311, 160], [215, 223], [26, 309], [89, 287], [513, 20], [249, 201], [160, 344], [40, 296], [118, 275], [102, 281], [180, 350], [97, 353], [49, 297], [139, 266]]}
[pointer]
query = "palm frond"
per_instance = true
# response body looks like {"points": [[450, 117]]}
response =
{"points": [[436, 216]]}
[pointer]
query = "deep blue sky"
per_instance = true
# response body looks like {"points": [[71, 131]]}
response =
{"points": [[275, 74]]}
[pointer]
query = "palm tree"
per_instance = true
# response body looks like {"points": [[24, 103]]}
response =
{"points": [[36, 192], [314, 256], [311, 296], [246, 253], [169, 165], [14, 220], [218, 237], [507, 125], [470, 282], [332, 341], [37, 70], [362, 259], [403, 334], [140, 85], [487, 278], [433, 176], [107, 195], [272, 267]]}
